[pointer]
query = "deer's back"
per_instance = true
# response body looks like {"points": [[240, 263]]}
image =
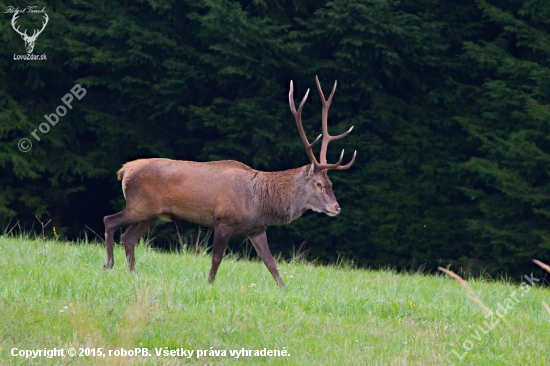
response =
{"points": [[200, 193]]}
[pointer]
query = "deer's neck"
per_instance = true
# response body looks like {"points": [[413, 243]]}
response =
{"points": [[279, 196]]}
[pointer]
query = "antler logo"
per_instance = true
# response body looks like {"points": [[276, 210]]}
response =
{"points": [[29, 40]]}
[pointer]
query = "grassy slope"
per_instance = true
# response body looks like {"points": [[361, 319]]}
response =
{"points": [[326, 316]]}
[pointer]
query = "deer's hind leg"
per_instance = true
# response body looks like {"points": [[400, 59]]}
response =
{"points": [[112, 223], [221, 238], [131, 237]]}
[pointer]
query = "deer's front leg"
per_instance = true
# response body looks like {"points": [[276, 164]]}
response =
{"points": [[260, 244]]}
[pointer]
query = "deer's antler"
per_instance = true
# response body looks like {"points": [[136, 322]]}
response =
{"points": [[326, 137]]}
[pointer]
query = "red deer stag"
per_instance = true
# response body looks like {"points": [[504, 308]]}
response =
{"points": [[228, 196]]}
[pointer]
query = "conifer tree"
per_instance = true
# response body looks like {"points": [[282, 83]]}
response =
{"points": [[511, 127]]}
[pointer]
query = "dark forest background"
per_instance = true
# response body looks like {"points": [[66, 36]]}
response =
{"points": [[449, 99]]}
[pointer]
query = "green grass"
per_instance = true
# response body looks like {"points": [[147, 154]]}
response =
{"points": [[53, 294]]}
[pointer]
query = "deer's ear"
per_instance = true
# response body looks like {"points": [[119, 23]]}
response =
{"points": [[310, 170]]}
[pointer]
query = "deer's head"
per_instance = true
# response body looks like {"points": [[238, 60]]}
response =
{"points": [[318, 188]]}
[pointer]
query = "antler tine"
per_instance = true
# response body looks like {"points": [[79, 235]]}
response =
{"points": [[298, 117], [329, 100], [324, 119], [332, 138], [335, 165], [348, 165]]}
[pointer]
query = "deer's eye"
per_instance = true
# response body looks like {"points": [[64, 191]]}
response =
{"points": [[319, 185]]}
